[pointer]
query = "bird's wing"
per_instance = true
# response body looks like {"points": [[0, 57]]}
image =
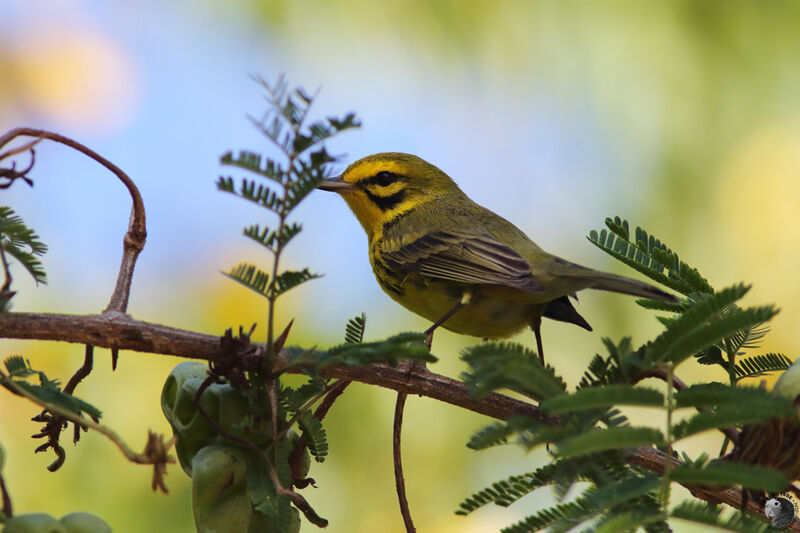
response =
{"points": [[465, 258]]}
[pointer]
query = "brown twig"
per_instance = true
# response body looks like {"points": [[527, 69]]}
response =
{"points": [[5, 291], [127, 333], [135, 236], [7, 508], [296, 455], [655, 461], [55, 424], [153, 454], [11, 174], [399, 480], [82, 372]]}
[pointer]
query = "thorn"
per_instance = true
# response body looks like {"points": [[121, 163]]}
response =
{"points": [[277, 345]]}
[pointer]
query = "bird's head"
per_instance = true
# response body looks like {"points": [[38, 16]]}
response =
{"points": [[381, 187]]}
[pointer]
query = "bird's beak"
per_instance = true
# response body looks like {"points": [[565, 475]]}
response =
{"points": [[335, 185]]}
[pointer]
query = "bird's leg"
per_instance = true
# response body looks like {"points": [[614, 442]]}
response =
{"points": [[536, 326], [465, 299]]}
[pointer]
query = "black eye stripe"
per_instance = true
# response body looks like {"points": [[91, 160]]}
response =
{"points": [[383, 178], [386, 203]]}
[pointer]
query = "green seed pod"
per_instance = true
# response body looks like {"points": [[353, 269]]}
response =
{"points": [[221, 497], [84, 523], [229, 409], [34, 523]]}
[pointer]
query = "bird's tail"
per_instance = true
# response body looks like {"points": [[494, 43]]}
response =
{"points": [[604, 281], [614, 283]]}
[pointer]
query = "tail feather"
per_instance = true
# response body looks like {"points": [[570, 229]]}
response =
{"points": [[614, 283], [604, 281]]}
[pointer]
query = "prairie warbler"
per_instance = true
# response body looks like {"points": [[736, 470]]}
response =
{"points": [[444, 257]]}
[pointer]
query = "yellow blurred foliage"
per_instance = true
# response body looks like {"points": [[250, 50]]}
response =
{"points": [[72, 76], [758, 223]]}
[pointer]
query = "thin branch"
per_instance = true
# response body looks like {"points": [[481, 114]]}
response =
{"points": [[296, 456], [5, 290], [134, 239], [655, 461], [126, 333], [55, 424], [10, 175], [82, 372], [155, 455], [7, 508], [399, 480]]}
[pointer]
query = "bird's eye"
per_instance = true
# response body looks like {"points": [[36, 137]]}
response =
{"points": [[384, 178]]}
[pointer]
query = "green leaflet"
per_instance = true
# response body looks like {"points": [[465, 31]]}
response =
{"points": [[701, 513], [609, 439], [603, 397], [509, 365], [728, 473]]}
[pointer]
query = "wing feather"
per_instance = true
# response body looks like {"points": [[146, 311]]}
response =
{"points": [[465, 258]]}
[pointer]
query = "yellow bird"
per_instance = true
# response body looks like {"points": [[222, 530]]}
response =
{"points": [[465, 268]]}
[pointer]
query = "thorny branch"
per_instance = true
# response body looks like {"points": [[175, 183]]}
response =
{"points": [[126, 333], [137, 232], [399, 480], [116, 330]]}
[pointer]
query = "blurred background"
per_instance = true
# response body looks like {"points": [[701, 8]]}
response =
{"points": [[681, 116]]}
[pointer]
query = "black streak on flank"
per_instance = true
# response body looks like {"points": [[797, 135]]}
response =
{"points": [[386, 203]]}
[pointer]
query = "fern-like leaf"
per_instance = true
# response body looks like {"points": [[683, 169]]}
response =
{"points": [[509, 365], [759, 365], [505, 492], [603, 397], [48, 390], [272, 240], [295, 398], [622, 491], [702, 513], [727, 416], [354, 331], [658, 305], [315, 435], [749, 338], [728, 473], [308, 178], [627, 520], [609, 439], [323, 130], [718, 395], [22, 243], [254, 192], [697, 314], [290, 279], [498, 432], [251, 162], [401, 346], [717, 329], [251, 277], [649, 256], [18, 367], [572, 512]]}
